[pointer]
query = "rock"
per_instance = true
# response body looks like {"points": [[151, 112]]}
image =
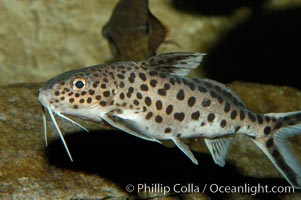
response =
{"points": [[67, 34], [25, 172], [106, 161]]}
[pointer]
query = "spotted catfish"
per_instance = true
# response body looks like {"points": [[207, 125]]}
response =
{"points": [[153, 100]]}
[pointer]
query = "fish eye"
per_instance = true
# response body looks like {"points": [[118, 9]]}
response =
{"points": [[79, 83]]}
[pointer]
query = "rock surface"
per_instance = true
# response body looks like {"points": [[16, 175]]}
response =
{"points": [[41, 39], [106, 161], [24, 169]]}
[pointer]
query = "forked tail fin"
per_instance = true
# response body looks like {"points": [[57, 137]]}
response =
{"points": [[272, 142]]}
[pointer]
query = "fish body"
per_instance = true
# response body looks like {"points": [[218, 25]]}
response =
{"points": [[154, 100], [133, 31]]}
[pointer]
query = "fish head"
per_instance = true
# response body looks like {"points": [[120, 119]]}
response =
{"points": [[72, 93]]}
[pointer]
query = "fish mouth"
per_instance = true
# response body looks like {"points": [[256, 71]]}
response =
{"points": [[46, 107]]}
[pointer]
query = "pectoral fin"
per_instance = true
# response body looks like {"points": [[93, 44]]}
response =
{"points": [[219, 148], [121, 120], [185, 149]]}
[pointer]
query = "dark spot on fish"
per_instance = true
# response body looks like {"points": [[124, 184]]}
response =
{"points": [[191, 101], [66, 89], [227, 94], [136, 102], [83, 93], [185, 82], [153, 82], [159, 105], [267, 130], [121, 96], [95, 84], [148, 101], [71, 100], [242, 114], [130, 92], [75, 106], [167, 130], [179, 116], [158, 119], [269, 142], [153, 73], [227, 107], [233, 114], [56, 93], [203, 124], [77, 95], [237, 129], [206, 102], [172, 81], [91, 92], [103, 103], [70, 93], [62, 98], [121, 84], [121, 76], [162, 92], [213, 94], [142, 76], [220, 99], [139, 95], [62, 83], [169, 109], [132, 77], [278, 125], [166, 86], [89, 100], [191, 86], [259, 118], [235, 101], [251, 116], [106, 93], [223, 123], [208, 84], [103, 86], [202, 89], [217, 88], [81, 100], [195, 115], [178, 80], [180, 95], [98, 97], [210, 117], [144, 87], [267, 118]]}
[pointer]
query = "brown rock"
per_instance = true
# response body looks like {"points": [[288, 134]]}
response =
{"points": [[67, 34], [25, 172]]}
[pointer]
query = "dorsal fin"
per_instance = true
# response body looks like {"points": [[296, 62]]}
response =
{"points": [[176, 63]]}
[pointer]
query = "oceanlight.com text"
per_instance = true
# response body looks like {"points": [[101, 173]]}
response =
{"points": [[209, 188]]}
